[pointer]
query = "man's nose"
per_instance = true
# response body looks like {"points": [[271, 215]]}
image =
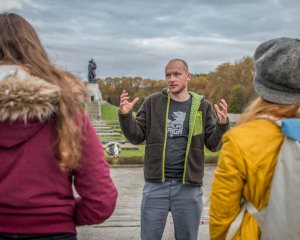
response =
{"points": [[172, 78]]}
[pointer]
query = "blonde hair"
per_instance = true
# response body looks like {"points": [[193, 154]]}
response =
{"points": [[261, 107], [20, 45]]}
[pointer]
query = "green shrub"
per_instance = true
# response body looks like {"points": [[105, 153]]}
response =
{"points": [[140, 160], [125, 160]]}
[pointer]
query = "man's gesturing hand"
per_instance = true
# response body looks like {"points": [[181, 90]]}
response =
{"points": [[125, 105], [221, 111]]}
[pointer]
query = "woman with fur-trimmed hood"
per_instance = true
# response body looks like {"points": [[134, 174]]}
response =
{"points": [[46, 142]]}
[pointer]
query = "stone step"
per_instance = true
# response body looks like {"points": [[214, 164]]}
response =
{"points": [[92, 109], [102, 127], [109, 134], [129, 146], [109, 140], [104, 130], [98, 124], [105, 133]]}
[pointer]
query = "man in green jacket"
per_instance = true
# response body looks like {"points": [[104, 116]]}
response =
{"points": [[176, 124]]}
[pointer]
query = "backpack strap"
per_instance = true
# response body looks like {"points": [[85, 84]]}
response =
{"points": [[273, 119], [258, 215], [291, 128], [237, 222]]}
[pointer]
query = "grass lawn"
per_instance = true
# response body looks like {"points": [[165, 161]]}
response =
{"points": [[141, 151], [112, 138], [109, 112], [136, 156], [110, 116], [126, 153], [209, 153], [134, 153], [128, 156]]}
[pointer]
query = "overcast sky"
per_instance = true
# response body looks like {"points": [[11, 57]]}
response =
{"points": [[138, 37]]}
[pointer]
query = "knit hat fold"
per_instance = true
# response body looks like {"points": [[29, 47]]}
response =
{"points": [[277, 70]]}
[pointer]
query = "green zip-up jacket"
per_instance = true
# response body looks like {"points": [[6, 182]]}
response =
{"points": [[150, 125]]}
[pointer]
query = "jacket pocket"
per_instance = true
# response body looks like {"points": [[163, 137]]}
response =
{"points": [[195, 167], [198, 127], [153, 161]]}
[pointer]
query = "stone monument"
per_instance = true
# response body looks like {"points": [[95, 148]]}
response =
{"points": [[93, 106], [92, 71]]}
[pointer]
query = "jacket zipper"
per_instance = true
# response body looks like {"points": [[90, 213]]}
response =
{"points": [[193, 114], [165, 141], [187, 150]]}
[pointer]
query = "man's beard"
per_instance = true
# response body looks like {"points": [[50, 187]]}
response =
{"points": [[182, 89]]}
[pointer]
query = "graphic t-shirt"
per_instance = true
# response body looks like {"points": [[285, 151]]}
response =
{"points": [[178, 130]]}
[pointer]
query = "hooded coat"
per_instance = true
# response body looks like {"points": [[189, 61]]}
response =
{"points": [[245, 170], [36, 197]]}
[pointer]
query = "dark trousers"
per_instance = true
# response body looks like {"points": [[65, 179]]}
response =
{"points": [[59, 236]]}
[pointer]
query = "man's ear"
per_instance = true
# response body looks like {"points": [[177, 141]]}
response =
{"points": [[190, 76]]}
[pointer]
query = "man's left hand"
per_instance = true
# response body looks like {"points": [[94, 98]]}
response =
{"points": [[221, 111]]}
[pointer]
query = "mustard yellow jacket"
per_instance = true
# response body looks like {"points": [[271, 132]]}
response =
{"points": [[245, 169]]}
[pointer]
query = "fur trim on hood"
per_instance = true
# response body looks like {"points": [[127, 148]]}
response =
{"points": [[25, 97]]}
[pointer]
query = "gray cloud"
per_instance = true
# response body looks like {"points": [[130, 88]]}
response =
{"points": [[137, 38]]}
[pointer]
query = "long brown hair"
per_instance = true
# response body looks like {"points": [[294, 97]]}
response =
{"points": [[261, 107], [20, 45]]}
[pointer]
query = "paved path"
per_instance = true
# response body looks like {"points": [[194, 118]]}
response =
{"points": [[124, 224]]}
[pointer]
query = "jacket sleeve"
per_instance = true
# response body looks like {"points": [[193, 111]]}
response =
{"points": [[92, 181], [134, 129], [213, 130], [226, 192]]}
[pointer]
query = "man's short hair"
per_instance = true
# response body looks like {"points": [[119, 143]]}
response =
{"points": [[182, 61]]}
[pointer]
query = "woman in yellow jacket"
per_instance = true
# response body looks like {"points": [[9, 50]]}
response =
{"points": [[249, 152]]}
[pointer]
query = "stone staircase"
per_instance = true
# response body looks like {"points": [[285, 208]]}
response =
{"points": [[93, 110], [103, 130]]}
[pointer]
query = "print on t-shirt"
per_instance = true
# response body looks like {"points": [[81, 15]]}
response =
{"points": [[176, 125]]}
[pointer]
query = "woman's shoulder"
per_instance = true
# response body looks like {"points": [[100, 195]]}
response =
{"points": [[254, 131]]}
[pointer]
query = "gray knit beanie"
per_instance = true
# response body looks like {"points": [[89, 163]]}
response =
{"points": [[277, 70]]}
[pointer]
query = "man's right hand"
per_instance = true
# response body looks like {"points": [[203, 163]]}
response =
{"points": [[125, 106]]}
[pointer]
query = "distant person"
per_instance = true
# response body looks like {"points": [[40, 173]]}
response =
{"points": [[176, 124], [46, 142], [113, 149], [250, 150]]}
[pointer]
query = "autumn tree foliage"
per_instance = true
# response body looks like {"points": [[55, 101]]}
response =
{"points": [[233, 82]]}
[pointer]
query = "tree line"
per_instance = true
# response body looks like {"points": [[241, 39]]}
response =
{"points": [[233, 82]]}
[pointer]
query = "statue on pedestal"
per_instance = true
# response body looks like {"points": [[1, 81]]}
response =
{"points": [[92, 71]]}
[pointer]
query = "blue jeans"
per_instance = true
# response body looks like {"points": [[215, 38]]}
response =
{"points": [[58, 236], [184, 201]]}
